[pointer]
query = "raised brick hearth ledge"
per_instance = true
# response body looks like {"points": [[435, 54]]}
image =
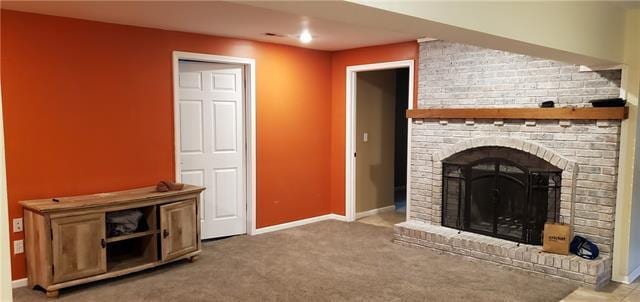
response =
{"points": [[528, 258]]}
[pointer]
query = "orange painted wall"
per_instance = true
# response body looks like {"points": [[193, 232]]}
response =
{"points": [[340, 61], [88, 107]]}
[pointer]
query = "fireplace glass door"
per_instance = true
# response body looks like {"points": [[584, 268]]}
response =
{"points": [[499, 197], [482, 198], [497, 201]]}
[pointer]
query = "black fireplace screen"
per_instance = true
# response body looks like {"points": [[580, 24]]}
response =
{"points": [[500, 192]]}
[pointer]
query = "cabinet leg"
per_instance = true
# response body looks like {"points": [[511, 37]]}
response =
{"points": [[52, 293], [193, 258]]}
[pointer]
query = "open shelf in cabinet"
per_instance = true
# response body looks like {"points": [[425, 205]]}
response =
{"points": [[135, 251]]}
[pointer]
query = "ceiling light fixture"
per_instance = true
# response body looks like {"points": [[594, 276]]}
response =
{"points": [[305, 36]]}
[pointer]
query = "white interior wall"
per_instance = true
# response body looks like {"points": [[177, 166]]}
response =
{"points": [[626, 258]]}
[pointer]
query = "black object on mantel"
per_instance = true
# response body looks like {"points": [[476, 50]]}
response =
{"points": [[547, 104], [615, 102]]}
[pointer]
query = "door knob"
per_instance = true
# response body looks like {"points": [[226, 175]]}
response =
{"points": [[103, 243], [165, 234]]}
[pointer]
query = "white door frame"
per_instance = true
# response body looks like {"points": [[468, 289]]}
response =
{"points": [[250, 121], [350, 165], [5, 241]]}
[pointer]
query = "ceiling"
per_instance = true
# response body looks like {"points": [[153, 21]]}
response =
{"points": [[220, 19], [628, 4], [335, 25]]}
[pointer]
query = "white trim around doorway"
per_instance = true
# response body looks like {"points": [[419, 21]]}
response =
{"points": [[250, 122], [5, 238], [350, 164]]}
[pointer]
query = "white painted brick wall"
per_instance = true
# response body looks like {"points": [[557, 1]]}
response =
{"points": [[458, 75], [594, 149]]}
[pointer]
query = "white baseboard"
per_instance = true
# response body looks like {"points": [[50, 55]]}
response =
{"points": [[375, 211], [338, 217], [632, 276], [19, 283], [297, 223]]}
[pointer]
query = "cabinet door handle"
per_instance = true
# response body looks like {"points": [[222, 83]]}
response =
{"points": [[165, 234], [103, 243]]}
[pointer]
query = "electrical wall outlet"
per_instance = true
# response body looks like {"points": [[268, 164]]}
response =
{"points": [[18, 247], [17, 225]]}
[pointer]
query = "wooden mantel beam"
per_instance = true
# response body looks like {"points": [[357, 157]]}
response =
{"points": [[568, 113]]}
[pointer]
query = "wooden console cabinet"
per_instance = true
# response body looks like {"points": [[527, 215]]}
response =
{"points": [[67, 242]]}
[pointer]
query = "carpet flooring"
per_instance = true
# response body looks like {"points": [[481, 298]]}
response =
{"points": [[325, 261]]}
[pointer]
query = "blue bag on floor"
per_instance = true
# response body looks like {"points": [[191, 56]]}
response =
{"points": [[584, 248]]}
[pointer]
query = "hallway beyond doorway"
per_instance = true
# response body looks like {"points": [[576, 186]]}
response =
{"points": [[384, 219]]}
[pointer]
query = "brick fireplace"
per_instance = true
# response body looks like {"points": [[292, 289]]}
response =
{"points": [[571, 164]]}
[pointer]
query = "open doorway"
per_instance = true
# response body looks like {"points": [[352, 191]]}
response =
{"points": [[382, 98]]}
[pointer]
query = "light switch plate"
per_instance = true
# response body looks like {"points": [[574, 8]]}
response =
{"points": [[17, 225], [18, 247], [365, 137]]}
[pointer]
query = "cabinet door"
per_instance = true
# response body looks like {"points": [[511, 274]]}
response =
{"points": [[178, 222], [78, 247]]}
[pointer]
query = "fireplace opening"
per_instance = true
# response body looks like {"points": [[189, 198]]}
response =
{"points": [[500, 192]]}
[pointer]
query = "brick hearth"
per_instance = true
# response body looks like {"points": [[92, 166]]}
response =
{"points": [[527, 258]]}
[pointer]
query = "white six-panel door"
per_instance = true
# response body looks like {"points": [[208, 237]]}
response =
{"points": [[211, 130]]}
